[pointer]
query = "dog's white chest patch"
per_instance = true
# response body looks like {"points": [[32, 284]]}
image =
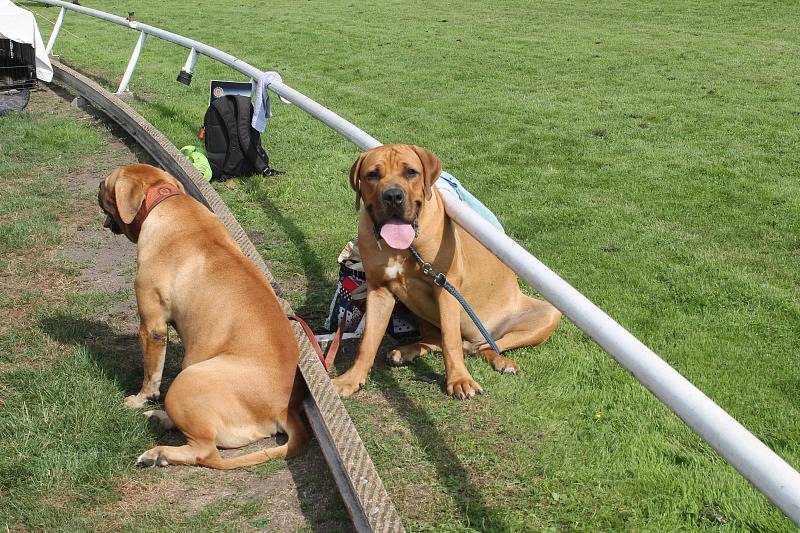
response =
{"points": [[394, 270]]}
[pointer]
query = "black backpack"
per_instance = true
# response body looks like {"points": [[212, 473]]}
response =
{"points": [[232, 144]]}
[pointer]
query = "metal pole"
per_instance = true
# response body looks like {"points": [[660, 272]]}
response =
{"points": [[126, 78], [190, 61], [770, 474], [56, 28], [185, 75]]}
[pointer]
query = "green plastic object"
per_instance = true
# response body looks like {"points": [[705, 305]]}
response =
{"points": [[197, 156]]}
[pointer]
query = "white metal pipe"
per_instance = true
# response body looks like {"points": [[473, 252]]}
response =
{"points": [[180, 40], [56, 28], [321, 113], [185, 75], [137, 50], [770, 474], [347, 129]]}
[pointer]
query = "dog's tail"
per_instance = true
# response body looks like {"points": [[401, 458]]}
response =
{"points": [[298, 436]]}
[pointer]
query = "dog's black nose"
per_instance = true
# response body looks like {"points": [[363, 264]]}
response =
{"points": [[394, 197]]}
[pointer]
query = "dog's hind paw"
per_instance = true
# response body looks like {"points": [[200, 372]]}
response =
{"points": [[504, 365], [151, 458], [395, 358], [399, 357], [159, 420]]}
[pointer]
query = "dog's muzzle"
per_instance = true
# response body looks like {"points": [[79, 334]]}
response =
{"points": [[111, 224]]}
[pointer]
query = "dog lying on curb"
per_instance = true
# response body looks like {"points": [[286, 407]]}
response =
{"points": [[401, 208], [239, 381]]}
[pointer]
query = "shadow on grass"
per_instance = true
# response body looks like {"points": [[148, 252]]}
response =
{"points": [[119, 356], [452, 474], [168, 114], [318, 290], [320, 501]]}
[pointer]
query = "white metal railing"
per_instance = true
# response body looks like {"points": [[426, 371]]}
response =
{"points": [[770, 474]]}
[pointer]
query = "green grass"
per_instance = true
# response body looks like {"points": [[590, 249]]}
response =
{"points": [[646, 152], [33, 153], [65, 438]]}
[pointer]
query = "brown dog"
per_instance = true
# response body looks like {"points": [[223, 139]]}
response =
{"points": [[401, 206], [239, 381]]}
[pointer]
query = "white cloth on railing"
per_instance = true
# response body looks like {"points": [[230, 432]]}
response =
{"points": [[19, 25], [262, 107]]}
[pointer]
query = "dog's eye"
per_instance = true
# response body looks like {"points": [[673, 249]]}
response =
{"points": [[373, 175], [411, 173]]}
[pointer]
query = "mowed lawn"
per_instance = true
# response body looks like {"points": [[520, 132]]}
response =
{"points": [[646, 152]]}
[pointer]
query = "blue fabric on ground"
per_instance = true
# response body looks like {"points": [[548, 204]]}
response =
{"points": [[466, 197]]}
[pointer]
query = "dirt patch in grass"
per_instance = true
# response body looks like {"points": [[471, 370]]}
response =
{"points": [[282, 499], [286, 495]]}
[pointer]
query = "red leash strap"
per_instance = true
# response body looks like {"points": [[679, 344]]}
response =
{"points": [[325, 358]]}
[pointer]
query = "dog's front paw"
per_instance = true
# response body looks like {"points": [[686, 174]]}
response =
{"points": [[347, 384], [463, 387], [151, 458], [135, 401]]}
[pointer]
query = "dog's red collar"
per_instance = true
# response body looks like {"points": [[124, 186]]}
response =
{"points": [[154, 196]]}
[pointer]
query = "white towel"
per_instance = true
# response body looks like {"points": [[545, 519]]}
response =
{"points": [[262, 108]]}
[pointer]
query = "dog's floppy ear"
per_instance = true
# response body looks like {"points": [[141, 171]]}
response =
{"points": [[355, 180], [431, 166], [129, 194]]}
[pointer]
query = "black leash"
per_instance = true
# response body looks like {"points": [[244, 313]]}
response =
{"points": [[440, 279]]}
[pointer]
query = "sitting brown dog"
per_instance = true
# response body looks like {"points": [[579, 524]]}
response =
{"points": [[401, 208], [239, 381]]}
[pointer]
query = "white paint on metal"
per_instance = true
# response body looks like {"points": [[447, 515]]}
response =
{"points": [[188, 67], [770, 474], [137, 50], [56, 28]]}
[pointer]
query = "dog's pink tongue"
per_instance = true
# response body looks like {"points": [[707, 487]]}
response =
{"points": [[398, 234]]}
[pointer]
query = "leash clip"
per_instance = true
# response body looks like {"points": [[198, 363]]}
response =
{"points": [[439, 278]]}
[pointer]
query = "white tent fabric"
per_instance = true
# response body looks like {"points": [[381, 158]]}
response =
{"points": [[19, 25]]}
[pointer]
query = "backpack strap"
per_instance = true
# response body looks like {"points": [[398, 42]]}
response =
{"points": [[249, 139], [215, 140], [225, 106]]}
